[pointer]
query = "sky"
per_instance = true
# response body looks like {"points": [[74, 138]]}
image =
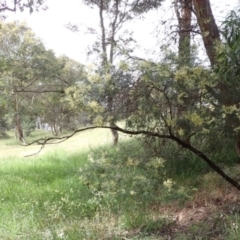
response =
{"points": [[50, 26]]}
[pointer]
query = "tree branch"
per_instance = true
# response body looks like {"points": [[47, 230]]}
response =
{"points": [[6, 8], [188, 146]]}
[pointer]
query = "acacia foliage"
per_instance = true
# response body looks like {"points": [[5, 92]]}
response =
{"points": [[191, 102], [151, 96], [167, 101]]}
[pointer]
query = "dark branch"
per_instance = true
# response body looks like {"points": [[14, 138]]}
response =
{"points": [[6, 8], [37, 91], [217, 169], [44, 141]]}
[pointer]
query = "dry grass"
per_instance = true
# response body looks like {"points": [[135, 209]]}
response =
{"points": [[207, 215]]}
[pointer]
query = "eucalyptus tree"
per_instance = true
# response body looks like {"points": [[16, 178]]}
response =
{"points": [[114, 41], [227, 67], [27, 67], [223, 57]]}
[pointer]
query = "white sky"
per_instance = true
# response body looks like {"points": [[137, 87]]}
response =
{"points": [[49, 25]]}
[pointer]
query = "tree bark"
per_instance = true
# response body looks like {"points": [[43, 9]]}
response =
{"points": [[106, 60], [114, 133], [183, 9], [210, 35], [18, 128], [208, 27], [18, 125]]}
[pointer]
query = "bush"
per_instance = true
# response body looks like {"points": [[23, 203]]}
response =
{"points": [[126, 178]]}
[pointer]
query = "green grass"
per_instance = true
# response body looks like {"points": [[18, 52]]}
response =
{"points": [[86, 189], [42, 197], [37, 193]]}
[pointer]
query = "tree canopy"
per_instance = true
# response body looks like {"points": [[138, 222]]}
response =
{"points": [[175, 98]]}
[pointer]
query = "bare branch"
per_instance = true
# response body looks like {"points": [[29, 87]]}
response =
{"points": [[37, 91], [35, 154], [6, 8], [44, 141]]}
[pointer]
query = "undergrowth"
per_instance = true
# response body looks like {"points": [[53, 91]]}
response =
{"points": [[108, 193]]}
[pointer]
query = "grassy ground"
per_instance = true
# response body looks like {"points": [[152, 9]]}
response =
{"points": [[11, 147], [86, 189]]}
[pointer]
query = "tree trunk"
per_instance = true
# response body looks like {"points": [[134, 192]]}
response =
{"points": [[210, 35], [114, 133], [39, 123], [18, 128], [208, 27], [112, 122], [183, 9], [18, 125], [109, 60], [55, 129]]}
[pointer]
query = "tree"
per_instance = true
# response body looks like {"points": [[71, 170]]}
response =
{"points": [[156, 115], [225, 90], [27, 67], [113, 41], [157, 89]]}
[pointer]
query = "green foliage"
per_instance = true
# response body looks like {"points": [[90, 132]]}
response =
{"points": [[33, 80], [26, 65], [126, 178], [107, 193], [229, 50], [39, 193], [90, 95], [226, 90], [4, 126], [163, 97]]}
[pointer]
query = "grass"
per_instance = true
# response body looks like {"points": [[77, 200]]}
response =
{"points": [[34, 194], [83, 141], [86, 189]]}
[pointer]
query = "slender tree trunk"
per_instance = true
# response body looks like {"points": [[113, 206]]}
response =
{"points": [[39, 123], [109, 60], [18, 125], [112, 123], [55, 129], [18, 128], [183, 9], [114, 133]]}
